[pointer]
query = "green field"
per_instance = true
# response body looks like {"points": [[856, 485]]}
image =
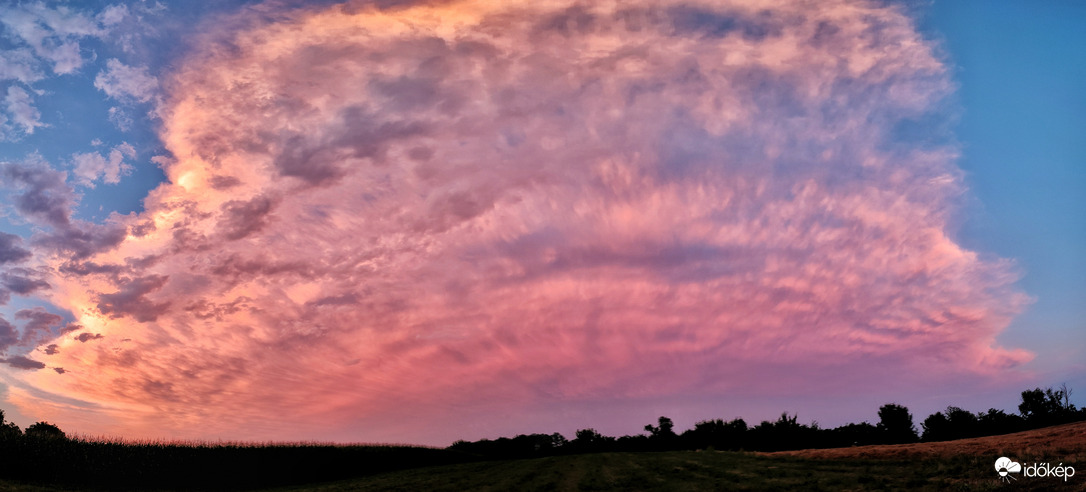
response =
{"points": [[693, 470]]}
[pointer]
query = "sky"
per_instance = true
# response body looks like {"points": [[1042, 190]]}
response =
{"points": [[422, 221]]}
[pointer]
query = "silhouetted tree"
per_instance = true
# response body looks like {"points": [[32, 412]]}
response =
{"points": [[860, 434], [936, 427], [8, 430], [533, 444], [665, 429], [896, 424], [1035, 406], [957, 423], [1038, 407], [521, 446], [663, 434], [963, 423], [998, 422], [785, 433], [716, 433], [1064, 398], [558, 440], [587, 436], [44, 430], [1048, 407], [589, 440], [639, 442]]}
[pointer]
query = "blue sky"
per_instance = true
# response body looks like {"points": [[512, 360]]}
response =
{"points": [[1021, 68], [248, 247]]}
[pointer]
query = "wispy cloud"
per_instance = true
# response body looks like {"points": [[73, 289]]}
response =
{"points": [[22, 111], [126, 83], [92, 166], [52, 33], [468, 206], [41, 37], [46, 40], [19, 65]]}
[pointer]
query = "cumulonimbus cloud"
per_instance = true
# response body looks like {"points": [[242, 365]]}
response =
{"points": [[468, 207]]}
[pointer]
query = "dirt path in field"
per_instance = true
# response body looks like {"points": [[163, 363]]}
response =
{"points": [[1066, 442]]}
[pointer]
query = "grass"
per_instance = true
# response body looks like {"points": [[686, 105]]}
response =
{"points": [[964, 465], [679, 471]]}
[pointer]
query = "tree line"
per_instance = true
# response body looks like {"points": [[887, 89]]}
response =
{"points": [[1039, 408], [37, 430]]}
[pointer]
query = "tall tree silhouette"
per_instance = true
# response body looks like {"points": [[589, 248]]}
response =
{"points": [[896, 424]]}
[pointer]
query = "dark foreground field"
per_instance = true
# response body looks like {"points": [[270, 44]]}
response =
{"points": [[667, 471], [682, 471], [955, 465]]}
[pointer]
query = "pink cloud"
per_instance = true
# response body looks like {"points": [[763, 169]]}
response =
{"points": [[91, 166], [440, 213]]}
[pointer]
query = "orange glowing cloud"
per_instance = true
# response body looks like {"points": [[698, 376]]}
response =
{"points": [[438, 212]]}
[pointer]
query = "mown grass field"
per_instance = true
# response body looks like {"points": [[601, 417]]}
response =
{"points": [[663, 471], [697, 471], [955, 465]]}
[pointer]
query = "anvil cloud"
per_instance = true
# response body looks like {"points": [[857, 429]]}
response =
{"points": [[384, 224]]}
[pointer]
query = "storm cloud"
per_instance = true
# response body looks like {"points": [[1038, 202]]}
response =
{"points": [[471, 205]]}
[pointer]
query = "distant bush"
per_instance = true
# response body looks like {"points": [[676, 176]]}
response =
{"points": [[861, 434], [44, 430], [521, 446]]}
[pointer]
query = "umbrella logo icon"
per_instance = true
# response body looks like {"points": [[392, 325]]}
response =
{"points": [[1004, 466]]}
